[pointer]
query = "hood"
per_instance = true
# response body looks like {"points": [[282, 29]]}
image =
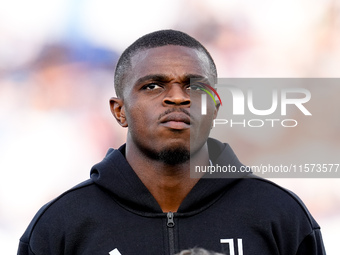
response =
{"points": [[115, 175]]}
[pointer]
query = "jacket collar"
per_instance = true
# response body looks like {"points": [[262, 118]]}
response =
{"points": [[115, 175]]}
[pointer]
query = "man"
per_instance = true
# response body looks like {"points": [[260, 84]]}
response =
{"points": [[140, 198]]}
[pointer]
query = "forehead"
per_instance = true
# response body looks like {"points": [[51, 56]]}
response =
{"points": [[170, 60]]}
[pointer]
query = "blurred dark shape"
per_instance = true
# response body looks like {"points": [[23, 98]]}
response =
{"points": [[198, 251], [60, 53]]}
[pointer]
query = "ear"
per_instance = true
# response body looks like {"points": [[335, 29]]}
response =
{"points": [[118, 110]]}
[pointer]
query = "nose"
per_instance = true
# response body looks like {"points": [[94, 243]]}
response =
{"points": [[177, 95]]}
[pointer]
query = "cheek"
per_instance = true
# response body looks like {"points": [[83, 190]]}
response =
{"points": [[197, 108], [207, 120], [137, 117], [207, 123]]}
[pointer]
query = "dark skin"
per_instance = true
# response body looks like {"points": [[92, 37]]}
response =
{"points": [[158, 107]]}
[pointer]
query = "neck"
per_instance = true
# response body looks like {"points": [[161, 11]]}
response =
{"points": [[169, 184]]}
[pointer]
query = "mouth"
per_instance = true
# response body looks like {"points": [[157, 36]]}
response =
{"points": [[176, 120]]}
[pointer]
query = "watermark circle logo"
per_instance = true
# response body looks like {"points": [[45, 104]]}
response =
{"points": [[206, 87]]}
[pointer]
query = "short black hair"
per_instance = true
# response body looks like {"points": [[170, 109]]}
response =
{"points": [[153, 40]]}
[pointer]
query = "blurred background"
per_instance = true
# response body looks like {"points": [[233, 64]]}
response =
{"points": [[57, 62]]}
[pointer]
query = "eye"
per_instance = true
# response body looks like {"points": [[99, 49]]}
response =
{"points": [[194, 87], [152, 86]]}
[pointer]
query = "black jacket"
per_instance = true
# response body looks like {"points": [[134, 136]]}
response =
{"points": [[114, 210]]}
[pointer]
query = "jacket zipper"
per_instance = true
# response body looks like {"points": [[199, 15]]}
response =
{"points": [[170, 224]]}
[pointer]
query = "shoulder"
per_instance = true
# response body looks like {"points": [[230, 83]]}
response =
{"points": [[290, 218], [277, 200]]}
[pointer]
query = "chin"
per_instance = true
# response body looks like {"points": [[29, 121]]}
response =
{"points": [[172, 154]]}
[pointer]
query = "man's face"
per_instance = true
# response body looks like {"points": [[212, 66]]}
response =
{"points": [[159, 106]]}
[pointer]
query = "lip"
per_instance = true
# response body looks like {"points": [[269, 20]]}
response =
{"points": [[176, 121]]}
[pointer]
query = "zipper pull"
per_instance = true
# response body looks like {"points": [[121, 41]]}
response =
{"points": [[170, 222]]}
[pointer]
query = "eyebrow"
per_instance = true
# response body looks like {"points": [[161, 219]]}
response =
{"points": [[166, 78]]}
